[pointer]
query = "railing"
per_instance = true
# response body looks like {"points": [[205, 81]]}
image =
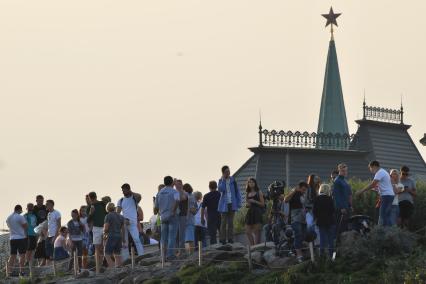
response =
{"points": [[298, 139], [383, 114]]}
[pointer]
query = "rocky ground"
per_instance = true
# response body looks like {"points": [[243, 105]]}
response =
{"points": [[384, 256], [149, 268]]}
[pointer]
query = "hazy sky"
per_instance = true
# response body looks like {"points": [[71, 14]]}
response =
{"points": [[97, 93]]}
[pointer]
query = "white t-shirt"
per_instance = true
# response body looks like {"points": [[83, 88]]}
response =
{"points": [[400, 187], [52, 220], [228, 190], [385, 184], [59, 242], [153, 222], [15, 222], [128, 208]]}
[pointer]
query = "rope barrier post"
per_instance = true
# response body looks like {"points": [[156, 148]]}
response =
{"points": [[54, 268], [75, 264], [132, 255], [30, 266], [162, 254], [98, 268], [311, 249], [249, 258], [200, 249]]}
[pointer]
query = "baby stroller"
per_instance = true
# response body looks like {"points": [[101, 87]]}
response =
{"points": [[361, 224]]}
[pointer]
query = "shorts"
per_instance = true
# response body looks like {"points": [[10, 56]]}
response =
{"points": [[77, 246], [113, 245], [40, 251], [32, 243], [98, 233], [18, 246], [49, 247], [406, 209], [60, 253], [189, 233]]}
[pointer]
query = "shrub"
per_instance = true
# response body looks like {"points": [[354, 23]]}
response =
{"points": [[365, 204]]}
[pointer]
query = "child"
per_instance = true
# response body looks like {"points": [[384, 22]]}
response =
{"points": [[200, 229], [114, 231], [86, 235], [60, 246]]}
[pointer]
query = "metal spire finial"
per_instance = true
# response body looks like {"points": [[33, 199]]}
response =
{"points": [[331, 20]]}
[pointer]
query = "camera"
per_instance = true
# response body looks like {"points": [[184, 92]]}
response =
{"points": [[275, 189]]}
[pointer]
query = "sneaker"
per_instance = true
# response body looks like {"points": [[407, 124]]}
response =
{"points": [[223, 242], [171, 258], [231, 241], [299, 259]]}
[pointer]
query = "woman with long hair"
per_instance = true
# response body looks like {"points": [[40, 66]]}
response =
{"points": [[255, 204]]}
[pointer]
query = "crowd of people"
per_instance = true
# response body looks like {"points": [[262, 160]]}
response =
{"points": [[183, 218]]}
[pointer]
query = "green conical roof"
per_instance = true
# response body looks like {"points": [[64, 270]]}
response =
{"points": [[332, 114]]}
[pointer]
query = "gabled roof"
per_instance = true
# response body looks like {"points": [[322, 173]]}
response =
{"points": [[391, 145], [332, 117], [423, 140]]}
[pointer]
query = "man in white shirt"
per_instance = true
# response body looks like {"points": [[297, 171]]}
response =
{"points": [[18, 238], [128, 206], [383, 185], [53, 226]]}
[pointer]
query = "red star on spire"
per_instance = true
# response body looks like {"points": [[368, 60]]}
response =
{"points": [[331, 17]]}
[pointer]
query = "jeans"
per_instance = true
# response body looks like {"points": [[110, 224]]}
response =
{"points": [[386, 209], [189, 233], [181, 231], [394, 214], [327, 236], [213, 225], [132, 228], [299, 233], [342, 220], [168, 235], [227, 222]]}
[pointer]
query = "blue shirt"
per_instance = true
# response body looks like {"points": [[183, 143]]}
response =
{"points": [[235, 196], [165, 201], [32, 223], [341, 193]]}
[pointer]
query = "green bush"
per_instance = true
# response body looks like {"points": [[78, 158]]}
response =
{"points": [[239, 220]]}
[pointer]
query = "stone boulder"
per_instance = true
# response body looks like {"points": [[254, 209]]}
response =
{"points": [[274, 261], [142, 277], [263, 246], [256, 257]]}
